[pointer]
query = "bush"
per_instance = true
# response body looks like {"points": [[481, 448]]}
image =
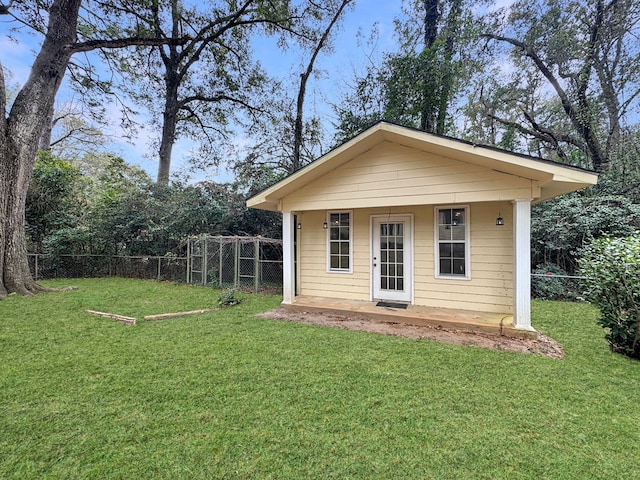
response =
{"points": [[228, 297], [547, 285], [613, 268]]}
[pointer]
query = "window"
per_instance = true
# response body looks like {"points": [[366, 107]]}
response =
{"points": [[452, 254], [339, 243]]}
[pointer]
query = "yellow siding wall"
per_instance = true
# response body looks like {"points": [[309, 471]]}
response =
{"points": [[391, 174], [490, 288]]}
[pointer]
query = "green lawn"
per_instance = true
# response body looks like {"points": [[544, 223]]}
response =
{"points": [[228, 395]]}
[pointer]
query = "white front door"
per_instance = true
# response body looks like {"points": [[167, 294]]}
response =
{"points": [[392, 263]]}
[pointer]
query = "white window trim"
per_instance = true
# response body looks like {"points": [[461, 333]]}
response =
{"points": [[467, 243], [328, 243]]}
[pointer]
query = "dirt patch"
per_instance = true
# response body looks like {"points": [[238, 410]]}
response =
{"points": [[543, 345]]}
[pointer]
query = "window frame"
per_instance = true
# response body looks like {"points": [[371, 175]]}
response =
{"points": [[437, 241], [329, 242]]}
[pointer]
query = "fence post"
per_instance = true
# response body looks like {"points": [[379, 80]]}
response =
{"points": [[220, 253], [36, 267], [189, 258], [159, 259], [236, 263], [204, 267], [256, 265]]}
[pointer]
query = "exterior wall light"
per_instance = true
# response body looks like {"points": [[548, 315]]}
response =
{"points": [[299, 226], [325, 225], [499, 220]]}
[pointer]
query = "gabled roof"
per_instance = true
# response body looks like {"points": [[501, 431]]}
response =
{"points": [[553, 178]]}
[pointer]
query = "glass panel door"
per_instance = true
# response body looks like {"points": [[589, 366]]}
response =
{"points": [[391, 263], [392, 256]]}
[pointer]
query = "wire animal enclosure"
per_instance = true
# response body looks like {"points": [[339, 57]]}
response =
{"points": [[246, 263]]}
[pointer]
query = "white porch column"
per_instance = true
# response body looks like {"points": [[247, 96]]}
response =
{"points": [[288, 264], [522, 264]]}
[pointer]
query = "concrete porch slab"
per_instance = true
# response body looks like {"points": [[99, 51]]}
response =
{"points": [[466, 320]]}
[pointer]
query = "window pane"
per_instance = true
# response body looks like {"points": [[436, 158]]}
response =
{"points": [[400, 284], [444, 233], [452, 241], [383, 283], [457, 232], [445, 267], [458, 216], [392, 284], [339, 241]]}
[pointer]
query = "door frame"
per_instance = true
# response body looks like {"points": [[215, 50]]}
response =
{"points": [[408, 294]]}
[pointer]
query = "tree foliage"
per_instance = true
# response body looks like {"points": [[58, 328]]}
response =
{"points": [[572, 82], [108, 207], [51, 197], [560, 227], [419, 85], [612, 266]]}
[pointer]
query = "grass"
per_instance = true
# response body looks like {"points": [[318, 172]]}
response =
{"points": [[228, 395]]}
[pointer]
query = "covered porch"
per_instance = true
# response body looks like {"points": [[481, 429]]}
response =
{"points": [[466, 320]]}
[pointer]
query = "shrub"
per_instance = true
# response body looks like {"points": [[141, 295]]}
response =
{"points": [[547, 285], [228, 297], [613, 268]]}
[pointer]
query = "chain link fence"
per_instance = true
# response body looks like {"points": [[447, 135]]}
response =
{"points": [[246, 263], [170, 268], [551, 286]]}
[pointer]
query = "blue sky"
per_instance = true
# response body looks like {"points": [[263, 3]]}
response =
{"points": [[334, 70]]}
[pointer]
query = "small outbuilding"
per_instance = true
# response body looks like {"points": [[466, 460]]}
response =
{"points": [[414, 221]]}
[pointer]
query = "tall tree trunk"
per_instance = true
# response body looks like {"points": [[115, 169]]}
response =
{"points": [[429, 69], [446, 86], [296, 163], [4, 178], [172, 79], [45, 138], [170, 121], [21, 132]]}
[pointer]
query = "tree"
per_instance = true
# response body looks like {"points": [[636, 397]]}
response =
{"points": [[196, 90], [69, 134], [419, 85], [298, 135], [574, 80], [612, 268], [283, 141], [22, 127], [50, 198]]}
